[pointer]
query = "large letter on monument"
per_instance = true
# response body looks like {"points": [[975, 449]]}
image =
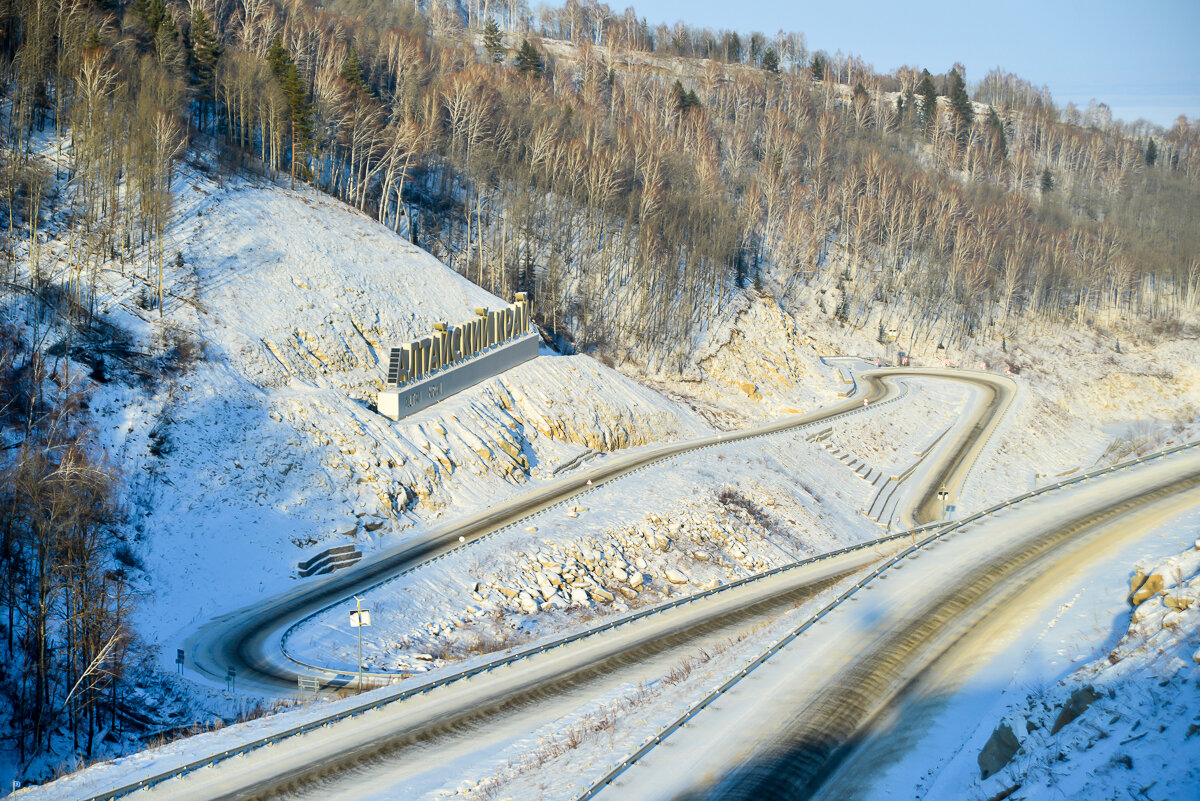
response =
{"points": [[426, 344], [468, 335], [406, 363], [435, 352], [441, 340], [481, 320], [496, 326]]}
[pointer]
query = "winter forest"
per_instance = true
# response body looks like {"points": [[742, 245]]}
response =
{"points": [[574, 153]]}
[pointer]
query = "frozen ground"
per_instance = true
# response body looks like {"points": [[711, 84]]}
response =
{"points": [[254, 445], [752, 716], [688, 523], [1102, 700]]}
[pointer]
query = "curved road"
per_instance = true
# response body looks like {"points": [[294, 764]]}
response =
{"points": [[248, 638], [385, 739], [814, 702]]}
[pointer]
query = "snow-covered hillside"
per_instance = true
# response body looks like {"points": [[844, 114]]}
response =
{"points": [[254, 445], [239, 422], [264, 448]]}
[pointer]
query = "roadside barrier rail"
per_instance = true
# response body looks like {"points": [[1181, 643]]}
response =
{"points": [[938, 536], [721, 440], [570, 499]]}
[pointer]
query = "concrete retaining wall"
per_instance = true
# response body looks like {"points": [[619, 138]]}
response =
{"points": [[399, 402]]}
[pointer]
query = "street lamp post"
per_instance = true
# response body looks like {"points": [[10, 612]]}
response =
{"points": [[358, 618]]}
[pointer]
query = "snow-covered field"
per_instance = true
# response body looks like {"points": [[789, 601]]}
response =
{"points": [[1089, 698], [754, 715]]}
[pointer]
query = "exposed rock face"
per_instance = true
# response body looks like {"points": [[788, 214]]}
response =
{"points": [[675, 576], [1076, 705], [998, 750], [1149, 586], [1178, 601]]}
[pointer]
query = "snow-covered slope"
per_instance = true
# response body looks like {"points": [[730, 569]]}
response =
{"points": [[255, 444]]}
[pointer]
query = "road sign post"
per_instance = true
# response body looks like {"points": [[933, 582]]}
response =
{"points": [[230, 679], [358, 619], [179, 660]]}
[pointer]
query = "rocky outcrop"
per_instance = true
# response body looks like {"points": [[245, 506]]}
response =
{"points": [[1076, 705], [1142, 587], [998, 751]]}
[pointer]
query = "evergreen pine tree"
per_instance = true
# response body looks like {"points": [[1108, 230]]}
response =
{"points": [[493, 42], [1151, 153], [996, 125], [685, 100], [1047, 181], [959, 100], [528, 60], [817, 67], [770, 61], [206, 52], [277, 57], [928, 98], [352, 73], [153, 14], [300, 106]]}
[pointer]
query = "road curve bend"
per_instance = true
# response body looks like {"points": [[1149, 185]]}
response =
{"points": [[248, 639], [245, 638], [785, 733]]}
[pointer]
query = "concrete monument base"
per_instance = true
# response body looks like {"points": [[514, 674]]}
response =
{"points": [[399, 402]]}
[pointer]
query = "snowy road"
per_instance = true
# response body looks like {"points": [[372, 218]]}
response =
{"points": [[249, 639], [787, 726], [387, 752], [387, 747]]}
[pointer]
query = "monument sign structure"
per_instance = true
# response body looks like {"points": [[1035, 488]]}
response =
{"points": [[453, 358]]}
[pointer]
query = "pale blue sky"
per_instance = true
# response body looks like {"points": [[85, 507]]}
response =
{"points": [[1141, 57]]}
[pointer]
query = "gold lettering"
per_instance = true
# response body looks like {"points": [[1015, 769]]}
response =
{"points": [[449, 344]]}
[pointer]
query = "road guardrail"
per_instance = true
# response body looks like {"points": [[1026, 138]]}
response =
{"points": [[938, 536]]}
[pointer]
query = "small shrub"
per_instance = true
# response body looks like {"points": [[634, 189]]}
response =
{"points": [[125, 555]]}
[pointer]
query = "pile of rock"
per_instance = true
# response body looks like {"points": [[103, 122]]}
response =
{"points": [[566, 575], [693, 547], [690, 549], [1162, 596]]}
